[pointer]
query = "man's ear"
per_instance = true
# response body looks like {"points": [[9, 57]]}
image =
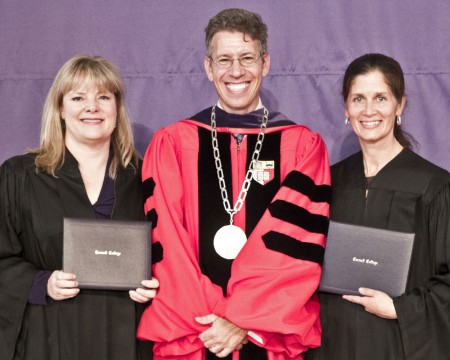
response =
{"points": [[266, 64], [208, 68]]}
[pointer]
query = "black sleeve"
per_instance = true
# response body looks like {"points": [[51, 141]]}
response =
{"points": [[16, 274], [424, 312]]}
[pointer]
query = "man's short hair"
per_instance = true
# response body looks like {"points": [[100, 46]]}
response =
{"points": [[237, 20]]}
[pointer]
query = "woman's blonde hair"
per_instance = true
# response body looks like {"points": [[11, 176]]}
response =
{"points": [[77, 71]]}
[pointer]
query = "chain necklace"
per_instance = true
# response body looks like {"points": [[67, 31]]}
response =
{"points": [[230, 239]]}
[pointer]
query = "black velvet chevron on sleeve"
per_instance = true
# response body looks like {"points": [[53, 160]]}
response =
{"points": [[152, 216], [294, 248], [302, 183], [148, 186], [157, 252], [298, 216]]}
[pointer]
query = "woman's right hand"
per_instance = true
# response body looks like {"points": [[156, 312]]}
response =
{"points": [[62, 285]]}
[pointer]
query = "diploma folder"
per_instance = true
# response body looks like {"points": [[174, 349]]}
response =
{"points": [[359, 256], [107, 254]]}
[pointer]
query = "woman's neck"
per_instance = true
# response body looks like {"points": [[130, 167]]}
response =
{"points": [[92, 161], [88, 153], [375, 156]]}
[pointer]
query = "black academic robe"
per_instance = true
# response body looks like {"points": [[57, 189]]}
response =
{"points": [[96, 324], [412, 195]]}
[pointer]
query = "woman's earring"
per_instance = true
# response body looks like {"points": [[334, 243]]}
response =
{"points": [[398, 120], [347, 121]]}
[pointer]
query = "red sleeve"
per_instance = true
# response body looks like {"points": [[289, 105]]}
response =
{"points": [[275, 276], [184, 291]]}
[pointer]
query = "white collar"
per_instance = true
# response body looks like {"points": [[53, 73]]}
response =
{"points": [[260, 105]]}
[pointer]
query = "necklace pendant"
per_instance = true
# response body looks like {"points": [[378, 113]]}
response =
{"points": [[229, 240]]}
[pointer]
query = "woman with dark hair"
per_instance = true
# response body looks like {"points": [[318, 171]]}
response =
{"points": [[386, 185], [86, 167]]}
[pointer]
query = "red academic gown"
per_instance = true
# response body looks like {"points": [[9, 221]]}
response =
{"points": [[269, 287]]}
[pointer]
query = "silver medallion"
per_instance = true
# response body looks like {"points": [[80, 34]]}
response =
{"points": [[229, 240]]}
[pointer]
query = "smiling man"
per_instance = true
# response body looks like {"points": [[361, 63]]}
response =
{"points": [[239, 197], [236, 64]]}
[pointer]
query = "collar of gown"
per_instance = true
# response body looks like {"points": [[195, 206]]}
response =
{"points": [[249, 120]]}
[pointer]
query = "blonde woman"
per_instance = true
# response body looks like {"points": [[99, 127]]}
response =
{"points": [[86, 167]]}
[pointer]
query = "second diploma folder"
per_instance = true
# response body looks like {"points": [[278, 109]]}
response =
{"points": [[359, 256]]}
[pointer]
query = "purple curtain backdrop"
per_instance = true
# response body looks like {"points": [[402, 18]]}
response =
{"points": [[159, 48]]}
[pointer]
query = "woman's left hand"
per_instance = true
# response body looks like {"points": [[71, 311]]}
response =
{"points": [[375, 302], [145, 293]]}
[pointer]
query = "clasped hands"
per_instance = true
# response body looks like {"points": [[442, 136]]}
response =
{"points": [[223, 337], [62, 285], [375, 302]]}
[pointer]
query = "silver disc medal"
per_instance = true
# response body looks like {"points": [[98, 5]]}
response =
{"points": [[229, 240]]}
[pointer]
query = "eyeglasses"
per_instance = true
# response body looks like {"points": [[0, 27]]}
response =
{"points": [[226, 63]]}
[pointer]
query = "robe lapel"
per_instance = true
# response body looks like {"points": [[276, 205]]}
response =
{"points": [[72, 193], [129, 197]]}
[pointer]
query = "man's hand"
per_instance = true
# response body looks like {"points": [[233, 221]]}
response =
{"points": [[223, 337], [145, 293]]}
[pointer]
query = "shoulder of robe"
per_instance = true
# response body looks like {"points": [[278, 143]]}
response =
{"points": [[20, 163]]}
